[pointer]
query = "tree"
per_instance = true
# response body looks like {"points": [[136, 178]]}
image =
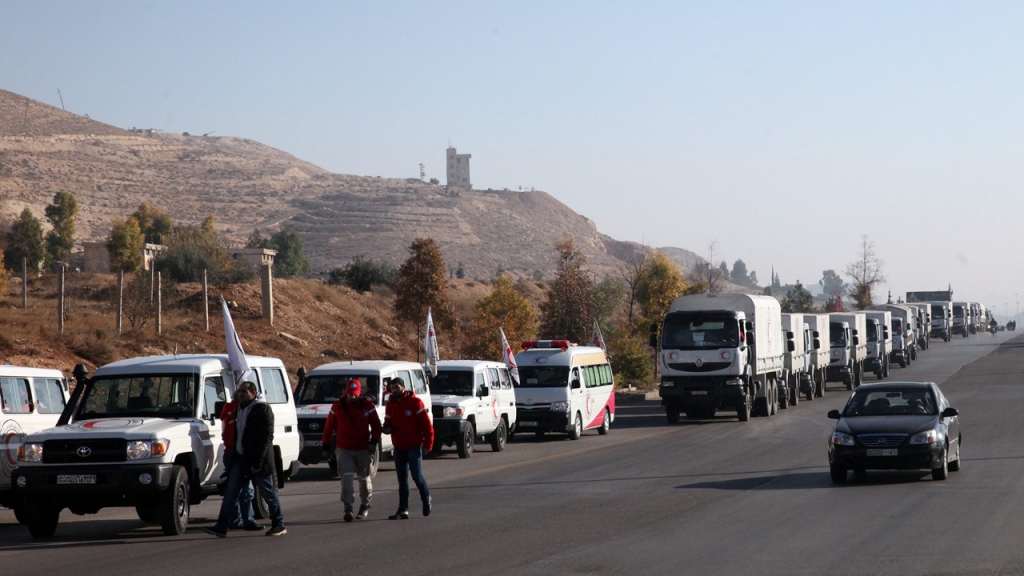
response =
{"points": [[137, 302], [5, 276], [256, 240], [661, 283], [154, 223], [291, 255], [567, 310], [753, 279], [362, 273], [834, 303], [192, 249], [831, 283], [25, 240], [776, 282], [866, 273], [798, 300], [421, 284], [505, 307], [608, 295], [631, 272], [705, 274], [630, 357], [124, 245], [739, 274], [61, 239]]}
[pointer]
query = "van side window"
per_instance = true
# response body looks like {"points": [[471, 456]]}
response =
{"points": [[213, 392], [14, 394], [274, 387], [49, 396], [419, 383], [609, 379]]}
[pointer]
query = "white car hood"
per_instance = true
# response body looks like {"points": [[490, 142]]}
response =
{"points": [[128, 428], [313, 410], [449, 400]]}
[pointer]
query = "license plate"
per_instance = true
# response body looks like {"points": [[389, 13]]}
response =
{"points": [[527, 423], [883, 452], [311, 443], [698, 392], [76, 478]]}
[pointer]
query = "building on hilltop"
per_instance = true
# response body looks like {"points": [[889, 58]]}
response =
{"points": [[458, 169]]}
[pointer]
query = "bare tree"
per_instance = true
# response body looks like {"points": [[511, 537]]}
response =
{"points": [[866, 273], [706, 274], [632, 272]]}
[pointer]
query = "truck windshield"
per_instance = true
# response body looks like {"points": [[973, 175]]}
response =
{"points": [[938, 311], [543, 377], [837, 335], [699, 332], [897, 327], [958, 311], [329, 388], [454, 382], [872, 332], [164, 395]]}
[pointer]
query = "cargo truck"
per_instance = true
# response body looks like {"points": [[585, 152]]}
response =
{"points": [[879, 324], [819, 325], [904, 344], [849, 348], [797, 361], [942, 319], [962, 318]]}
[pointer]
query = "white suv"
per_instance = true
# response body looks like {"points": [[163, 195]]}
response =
{"points": [[472, 398], [144, 432]]}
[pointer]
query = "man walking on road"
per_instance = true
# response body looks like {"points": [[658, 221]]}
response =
{"points": [[253, 460], [354, 419], [242, 518], [406, 419]]}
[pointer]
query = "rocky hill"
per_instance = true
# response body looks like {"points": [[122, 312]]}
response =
{"points": [[248, 185]]}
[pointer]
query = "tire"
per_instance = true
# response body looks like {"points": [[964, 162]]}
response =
{"points": [[820, 392], [761, 406], [173, 507], [148, 512], [577, 428], [858, 372], [672, 413], [942, 472], [606, 424], [782, 396], [42, 518], [464, 444], [774, 404], [954, 466], [879, 375], [885, 367], [913, 353], [499, 436], [375, 460], [744, 409], [19, 513], [838, 474], [794, 391]]}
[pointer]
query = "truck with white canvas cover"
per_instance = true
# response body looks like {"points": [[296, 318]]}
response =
{"points": [[849, 348], [721, 351], [962, 318], [923, 324], [904, 343], [797, 361], [942, 319], [976, 317], [879, 342], [820, 355]]}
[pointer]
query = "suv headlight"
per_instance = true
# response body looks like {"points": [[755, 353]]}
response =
{"points": [[926, 437], [142, 449], [559, 406], [30, 453], [841, 439], [452, 411]]}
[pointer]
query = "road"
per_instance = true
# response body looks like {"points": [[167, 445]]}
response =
{"points": [[706, 497]]}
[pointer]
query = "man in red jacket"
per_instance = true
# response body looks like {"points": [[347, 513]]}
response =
{"points": [[354, 419], [408, 422]]}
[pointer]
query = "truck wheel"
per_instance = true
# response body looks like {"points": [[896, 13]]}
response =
{"points": [[149, 512], [885, 367], [761, 406], [672, 413], [464, 444], [820, 392], [577, 428], [499, 436], [606, 424], [42, 518], [858, 373], [743, 410], [174, 503]]}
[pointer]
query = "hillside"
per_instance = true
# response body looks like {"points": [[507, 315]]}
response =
{"points": [[247, 185]]}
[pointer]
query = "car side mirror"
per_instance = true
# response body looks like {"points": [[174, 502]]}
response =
{"points": [[834, 414], [218, 407], [575, 383], [950, 412], [483, 391]]}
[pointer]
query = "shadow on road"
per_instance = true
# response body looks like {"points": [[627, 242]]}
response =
{"points": [[806, 480]]}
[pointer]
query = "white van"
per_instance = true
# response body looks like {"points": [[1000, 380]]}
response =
{"points": [[325, 384], [31, 399], [471, 399], [145, 433], [564, 388]]}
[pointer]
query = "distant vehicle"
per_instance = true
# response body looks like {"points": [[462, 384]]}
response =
{"points": [[942, 320], [922, 323], [879, 323], [819, 325], [895, 426], [799, 368], [848, 341], [471, 399], [904, 340], [962, 318]]}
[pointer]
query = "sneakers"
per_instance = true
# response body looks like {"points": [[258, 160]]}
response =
{"points": [[364, 511], [277, 531], [253, 527], [214, 531], [400, 515], [348, 516], [426, 506]]}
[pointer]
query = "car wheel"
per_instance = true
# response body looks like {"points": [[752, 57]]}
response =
{"points": [[499, 436], [42, 518], [375, 460], [174, 503], [943, 471], [954, 466], [577, 427], [466, 441], [838, 474], [672, 413], [606, 424], [148, 512]]}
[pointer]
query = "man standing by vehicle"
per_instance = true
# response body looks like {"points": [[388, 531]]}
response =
{"points": [[242, 517], [354, 419], [407, 421], [253, 460]]}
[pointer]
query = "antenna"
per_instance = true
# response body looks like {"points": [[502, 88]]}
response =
{"points": [[423, 173], [61, 100]]}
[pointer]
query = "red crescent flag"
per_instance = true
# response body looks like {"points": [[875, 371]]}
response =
{"points": [[236, 355], [598, 337], [507, 357], [430, 346]]}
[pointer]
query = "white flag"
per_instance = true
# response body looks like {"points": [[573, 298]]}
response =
{"points": [[236, 356], [430, 346], [507, 357], [598, 338]]}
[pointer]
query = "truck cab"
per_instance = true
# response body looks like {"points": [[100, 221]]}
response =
{"points": [[849, 348], [962, 318], [942, 320], [879, 337]]}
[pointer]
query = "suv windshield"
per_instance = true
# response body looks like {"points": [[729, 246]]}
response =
{"points": [[167, 395], [454, 382], [691, 331], [328, 389], [543, 377], [836, 335], [892, 402]]}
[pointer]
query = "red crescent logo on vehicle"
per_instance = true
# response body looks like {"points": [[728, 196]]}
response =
{"points": [[590, 405], [494, 408]]}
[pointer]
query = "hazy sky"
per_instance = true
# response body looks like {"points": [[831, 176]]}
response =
{"points": [[785, 130]]}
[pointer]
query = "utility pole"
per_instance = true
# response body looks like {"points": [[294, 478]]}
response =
{"points": [[61, 100]]}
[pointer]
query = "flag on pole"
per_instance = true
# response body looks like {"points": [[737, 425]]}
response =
{"points": [[236, 355], [507, 357], [430, 346], [598, 338]]}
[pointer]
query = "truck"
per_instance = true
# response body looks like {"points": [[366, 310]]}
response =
{"points": [[976, 317], [942, 319], [904, 343], [879, 342], [720, 351], [849, 348], [923, 324], [962, 318], [797, 360], [819, 326]]}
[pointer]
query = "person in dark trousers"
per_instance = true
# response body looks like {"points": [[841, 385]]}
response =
{"points": [[253, 460], [242, 518], [406, 419], [354, 419]]}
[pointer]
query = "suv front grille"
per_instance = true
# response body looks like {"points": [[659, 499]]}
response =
{"points": [[312, 425], [85, 451]]}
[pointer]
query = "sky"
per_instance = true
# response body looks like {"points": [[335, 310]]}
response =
{"points": [[784, 132]]}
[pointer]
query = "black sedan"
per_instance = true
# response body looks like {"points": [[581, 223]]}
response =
{"points": [[895, 426]]}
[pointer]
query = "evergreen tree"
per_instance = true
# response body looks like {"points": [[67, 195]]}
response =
{"points": [[422, 284], [61, 239], [798, 300], [155, 224], [567, 311], [739, 274], [291, 256], [25, 240], [124, 245]]}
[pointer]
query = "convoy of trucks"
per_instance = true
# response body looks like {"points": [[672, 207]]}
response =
{"points": [[879, 324]]}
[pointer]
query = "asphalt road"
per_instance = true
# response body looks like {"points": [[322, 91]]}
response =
{"points": [[707, 497]]}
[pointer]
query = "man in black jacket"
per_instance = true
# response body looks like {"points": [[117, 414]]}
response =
{"points": [[253, 459]]}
